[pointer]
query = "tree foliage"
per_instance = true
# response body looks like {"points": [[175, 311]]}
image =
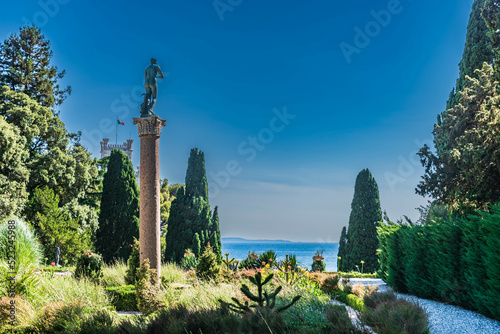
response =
{"points": [[465, 170], [119, 214], [342, 250], [366, 215], [477, 50], [25, 66], [56, 229], [191, 224], [13, 171]]}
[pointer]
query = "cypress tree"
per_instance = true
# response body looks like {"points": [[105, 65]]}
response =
{"points": [[366, 215], [342, 245], [476, 51], [191, 224], [119, 216], [196, 176]]}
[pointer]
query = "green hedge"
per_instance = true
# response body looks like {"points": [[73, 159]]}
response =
{"points": [[452, 260], [123, 297]]}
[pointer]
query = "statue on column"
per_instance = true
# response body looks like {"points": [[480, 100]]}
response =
{"points": [[152, 73]]}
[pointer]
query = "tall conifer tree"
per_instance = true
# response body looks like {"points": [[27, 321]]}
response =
{"points": [[341, 258], [191, 224], [362, 241], [477, 50], [119, 216]]}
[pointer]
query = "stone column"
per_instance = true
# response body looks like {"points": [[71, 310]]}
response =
{"points": [[149, 200]]}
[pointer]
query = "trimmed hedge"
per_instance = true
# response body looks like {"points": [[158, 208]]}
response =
{"points": [[452, 260], [123, 297]]}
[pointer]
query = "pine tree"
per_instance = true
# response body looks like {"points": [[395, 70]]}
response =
{"points": [[191, 224], [119, 216], [477, 50], [366, 215], [341, 254], [25, 67]]}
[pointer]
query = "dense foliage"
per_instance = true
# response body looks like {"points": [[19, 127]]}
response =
{"points": [[456, 260], [477, 50], [191, 224], [89, 265], [463, 171], [133, 263], [56, 229], [119, 216], [25, 67], [361, 241]]}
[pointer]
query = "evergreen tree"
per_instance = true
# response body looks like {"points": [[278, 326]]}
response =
{"points": [[25, 67], [465, 172], [366, 215], [341, 254], [196, 176], [57, 230], [477, 50], [191, 224], [119, 216]]}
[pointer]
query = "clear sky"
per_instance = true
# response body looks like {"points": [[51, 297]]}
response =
{"points": [[289, 100]]}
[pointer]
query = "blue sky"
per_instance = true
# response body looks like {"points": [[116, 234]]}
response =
{"points": [[287, 98]]}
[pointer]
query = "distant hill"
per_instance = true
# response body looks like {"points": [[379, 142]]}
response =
{"points": [[251, 241]]}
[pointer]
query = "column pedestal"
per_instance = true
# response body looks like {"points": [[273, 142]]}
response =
{"points": [[149, 197]]}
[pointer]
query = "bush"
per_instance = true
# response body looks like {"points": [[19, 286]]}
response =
{"points": [[453, 259], [349, 299], [393, 315], [340, 322], [208, 266], [189, 261], [180, 320], [318, 266], [58, 317], [251, 262], [327, 282], [123, 298], [89, 265], [133, 263], [147, 289]]}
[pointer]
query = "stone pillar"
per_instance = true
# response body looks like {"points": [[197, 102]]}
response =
{"points": [[149, 200]]}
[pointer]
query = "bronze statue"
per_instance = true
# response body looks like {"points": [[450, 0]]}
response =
{"points": [[152, 73]]}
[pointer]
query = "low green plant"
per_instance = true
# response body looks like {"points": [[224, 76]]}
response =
{"points": [[349, 299], [89, 265], [387, 314], [147, 289], [354, 274], [208, 266], [318, 266], [262, 299], [133, 263], [251, 262], [268, 257], [189, 260], [123, 298]]}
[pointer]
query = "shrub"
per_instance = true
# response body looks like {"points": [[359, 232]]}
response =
{"points": [[318, 266], [268, 256], [180, 320], [133, 263], [327, 282], [147, 289], [18, 236], [99, 322], [350, 299], [362, 290], [395, 316], [208, 266], [339, 321], [251, 262], [58, 317], [89, 265], [375, 299], [189, 261], [123, 298]]}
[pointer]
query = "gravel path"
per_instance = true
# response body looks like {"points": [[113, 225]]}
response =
{"points": [[445, 319]]}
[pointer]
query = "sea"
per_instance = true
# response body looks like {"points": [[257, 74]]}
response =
{"points": [[304, 251]]}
